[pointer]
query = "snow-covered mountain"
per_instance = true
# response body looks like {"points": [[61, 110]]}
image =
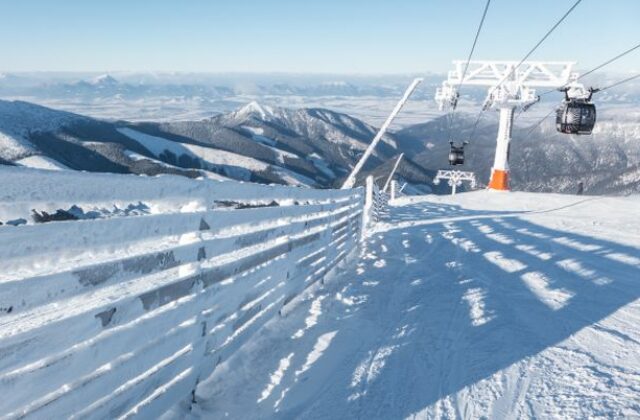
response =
{"points": [[43, 85], [606, 162], [170, 96], [310, 147], [321, 144], [318, 147], [108, 88]]}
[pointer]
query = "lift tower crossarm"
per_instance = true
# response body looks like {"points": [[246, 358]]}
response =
{"points": [[530, 73], [511, 85], [351, 179]]}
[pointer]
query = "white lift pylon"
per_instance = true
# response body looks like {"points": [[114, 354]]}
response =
{"points": [[511, 86]]}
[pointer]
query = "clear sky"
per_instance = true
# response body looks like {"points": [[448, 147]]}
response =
{"points": [[322, 36]]}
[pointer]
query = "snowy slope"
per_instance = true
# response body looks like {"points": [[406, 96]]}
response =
{"points": [[158, 145], [18, 119], [319, 143], [318, 147], [234, 165], [39, 137], [485, 305], [304, 147], [40, 162]]}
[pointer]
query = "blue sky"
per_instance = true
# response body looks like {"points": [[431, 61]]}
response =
{"points": [[330, 36]]}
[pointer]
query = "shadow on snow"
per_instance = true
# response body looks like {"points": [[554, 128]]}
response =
{"points": [[432, 309]]}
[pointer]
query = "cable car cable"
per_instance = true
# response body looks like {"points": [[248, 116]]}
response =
{"points": [[466, 67], [606, 63], [553, 28], [598, 67], [628, 79], [540, 121], [475, 41]]}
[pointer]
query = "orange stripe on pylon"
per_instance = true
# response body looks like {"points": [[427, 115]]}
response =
{"points": [[499, 180]]}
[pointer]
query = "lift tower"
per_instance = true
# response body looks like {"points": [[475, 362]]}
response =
{"points": [[511, 86]]}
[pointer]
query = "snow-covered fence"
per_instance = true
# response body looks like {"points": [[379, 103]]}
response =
{"points": [[119, 317], [376, 203], [380, 203], [395, 191]]}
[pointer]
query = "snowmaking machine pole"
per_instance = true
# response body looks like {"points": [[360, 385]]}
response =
{"points": [[393, 171], [351, 179]]}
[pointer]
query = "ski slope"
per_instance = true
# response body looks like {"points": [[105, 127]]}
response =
{"points": [[482, 305]]}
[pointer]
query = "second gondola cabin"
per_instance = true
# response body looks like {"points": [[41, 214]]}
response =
{"points": [[456, 154]]}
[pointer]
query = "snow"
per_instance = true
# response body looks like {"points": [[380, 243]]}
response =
{"points": [[158, 145], [253, 108], [138, 157], [18, 119], [104, 79], [322, 344], [482, 305], [292, 178], [256, 130], [121, 316], [13, 147], [241, 166], [41, 162], [276, 377], [257, 136], [321, 164], [24, 189]]}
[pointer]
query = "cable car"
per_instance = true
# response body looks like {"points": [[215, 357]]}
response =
{"points": [[576, 115], [456, 154]]}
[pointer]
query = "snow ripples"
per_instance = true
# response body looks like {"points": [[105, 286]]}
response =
{"points": [[539, 284], [322, 344], [477, 312], [576, 267], [314, 313], [276, 377], [369, 369], [506, 264]]}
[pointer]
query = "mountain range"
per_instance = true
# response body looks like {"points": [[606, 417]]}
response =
{"points": [[317, 147], [540, 158], [306, 147]]}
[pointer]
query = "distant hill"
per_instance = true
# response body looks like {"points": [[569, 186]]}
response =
{"points": [[306, 147], [606, 162], [317, 147]]}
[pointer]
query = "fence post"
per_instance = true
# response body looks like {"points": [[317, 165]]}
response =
{"points": [[368, 204], [392, 193]]}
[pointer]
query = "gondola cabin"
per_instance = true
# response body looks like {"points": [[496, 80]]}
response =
{"points": [[456, 154], [576, 115]]}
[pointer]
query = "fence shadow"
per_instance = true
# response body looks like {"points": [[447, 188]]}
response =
{"points": [[444, 306]]}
